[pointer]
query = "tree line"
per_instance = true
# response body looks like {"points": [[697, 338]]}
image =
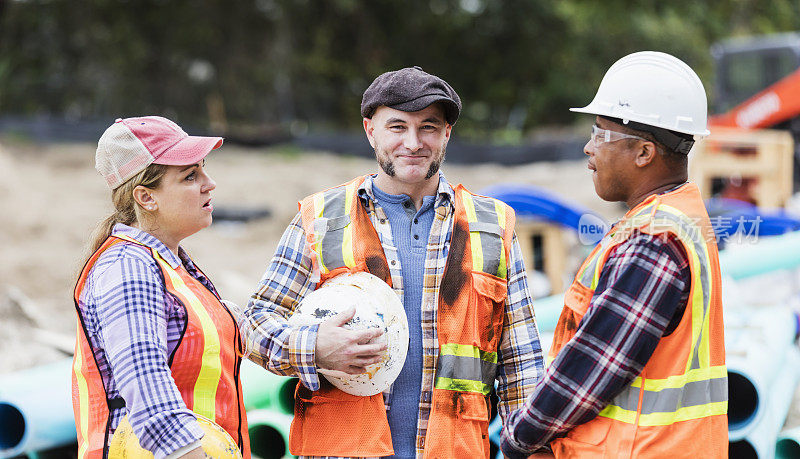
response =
{"points": [[278, 65]]}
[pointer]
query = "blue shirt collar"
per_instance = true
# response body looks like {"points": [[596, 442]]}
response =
{"points": [[444, 194]]}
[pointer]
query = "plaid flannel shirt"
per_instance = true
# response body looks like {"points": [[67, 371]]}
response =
{"points": [[290, 351], [641, 296]]}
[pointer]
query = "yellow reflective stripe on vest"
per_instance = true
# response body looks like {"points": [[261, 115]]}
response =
{"points": [[474, 236], [347, 238], [205, 388], [691, 236], [486, 232], [319, 208], [465, 368], [699, 393], [83, 395], [335, 247]]}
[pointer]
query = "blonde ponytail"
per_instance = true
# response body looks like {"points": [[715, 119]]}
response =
{"points": [[126, 210]]}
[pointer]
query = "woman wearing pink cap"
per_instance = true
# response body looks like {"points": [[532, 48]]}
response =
{"points": [[155, 342]]}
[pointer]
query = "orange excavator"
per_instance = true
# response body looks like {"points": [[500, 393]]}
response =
{"points": [[757, 86], [758, 81]]}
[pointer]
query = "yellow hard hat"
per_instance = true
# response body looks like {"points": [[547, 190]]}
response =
{"points": [[216, 442]]}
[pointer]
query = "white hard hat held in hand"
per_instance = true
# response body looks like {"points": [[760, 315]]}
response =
{"points": [[377, 306]]}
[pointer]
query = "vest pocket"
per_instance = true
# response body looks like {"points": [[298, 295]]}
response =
{"points": [[458, 425], [329, 422], [489, 295], [587, 440]]}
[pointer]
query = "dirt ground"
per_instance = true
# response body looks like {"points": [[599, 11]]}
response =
{"points": [[51, 198]]}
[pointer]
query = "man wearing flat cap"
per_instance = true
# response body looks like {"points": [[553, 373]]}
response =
{"points": [[450, 255]]}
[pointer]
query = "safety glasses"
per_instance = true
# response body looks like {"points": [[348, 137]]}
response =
{"points": [[600, 135]]}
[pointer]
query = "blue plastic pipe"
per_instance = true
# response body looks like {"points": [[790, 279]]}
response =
{"points": [[769, 254], [36, 409], [547, 311]]}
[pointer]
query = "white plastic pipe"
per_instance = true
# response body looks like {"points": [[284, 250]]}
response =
{"points": [[788, 446], [757, 341], [760, 442], [36, 409]]}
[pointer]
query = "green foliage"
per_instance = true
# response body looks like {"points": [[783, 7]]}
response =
{"points": [[517, 64]]}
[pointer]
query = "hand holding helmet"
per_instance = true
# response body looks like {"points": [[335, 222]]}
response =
{"points": [[346, 350], [353, 310]]}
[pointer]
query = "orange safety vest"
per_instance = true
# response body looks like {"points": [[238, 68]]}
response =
{"points": [[677, 406], [470, 315], [205, 364]]}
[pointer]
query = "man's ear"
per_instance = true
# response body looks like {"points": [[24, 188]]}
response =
{"points": [[144, 197], [646, 154], [447, 129], [369, 127]]}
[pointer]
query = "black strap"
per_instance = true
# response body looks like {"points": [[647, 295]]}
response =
{"points": [[675, 141], [116, 403]]}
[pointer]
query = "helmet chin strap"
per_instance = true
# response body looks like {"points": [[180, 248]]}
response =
{"points": [[675, 141]]}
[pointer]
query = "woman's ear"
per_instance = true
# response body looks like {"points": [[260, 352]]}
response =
{"points": [[144, 197]]}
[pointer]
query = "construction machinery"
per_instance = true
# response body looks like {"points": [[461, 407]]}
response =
{"points": [[757, 86]]}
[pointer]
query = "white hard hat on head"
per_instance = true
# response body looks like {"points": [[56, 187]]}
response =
{"points": [[654, 89], [377, 306]]}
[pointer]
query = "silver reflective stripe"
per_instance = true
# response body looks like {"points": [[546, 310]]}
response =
{"points": [[470, 368], [692, 394], [628, 399], [336, 223], [491, 242], [332, 242], [486, 227], [670, 400]]}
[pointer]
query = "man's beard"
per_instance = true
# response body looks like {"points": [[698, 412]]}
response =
{"points": [[388, 166]]}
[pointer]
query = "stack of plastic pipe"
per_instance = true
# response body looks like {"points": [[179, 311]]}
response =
{"points": [[36, 409], [763, 372], [269, 400]]}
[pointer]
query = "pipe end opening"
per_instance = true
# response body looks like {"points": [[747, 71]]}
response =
{"points": [[787, 448], [267, 443], [743, 401], [742, 449], [12, 426]]}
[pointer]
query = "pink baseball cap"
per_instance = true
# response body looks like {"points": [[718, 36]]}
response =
{"points": [[129, 145]]}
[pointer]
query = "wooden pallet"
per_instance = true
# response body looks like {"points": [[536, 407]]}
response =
{"points": [[551, 256], [764, 157]]}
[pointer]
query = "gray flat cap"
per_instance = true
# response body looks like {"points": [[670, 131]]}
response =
{"points": [[410, 90]]}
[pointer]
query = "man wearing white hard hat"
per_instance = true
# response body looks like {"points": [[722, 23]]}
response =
{"points": [[450, 256], [638, 361]]}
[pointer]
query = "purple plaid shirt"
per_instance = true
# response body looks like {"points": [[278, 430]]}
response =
{"points": [[641, 296], [134, 326]]}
